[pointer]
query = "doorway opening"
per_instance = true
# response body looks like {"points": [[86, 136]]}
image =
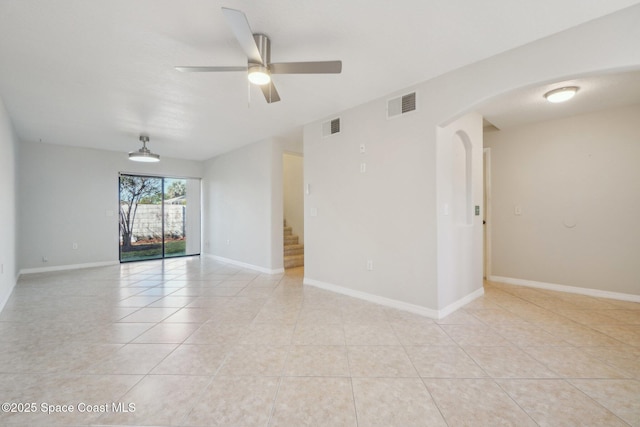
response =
{"points": [[159, 217], [293, 210]]}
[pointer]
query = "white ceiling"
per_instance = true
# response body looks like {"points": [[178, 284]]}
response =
{"points": [[528, 105], [99, 73]]}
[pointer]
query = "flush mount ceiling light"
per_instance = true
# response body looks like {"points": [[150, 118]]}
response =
{"points": [[144, 154], [259, 75], [561, 94]]}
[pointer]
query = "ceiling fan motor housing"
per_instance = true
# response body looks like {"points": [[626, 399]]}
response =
{"points": [[264, 47]]}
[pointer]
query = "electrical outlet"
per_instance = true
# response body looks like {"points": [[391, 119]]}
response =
{"points": [[45, 259], [74, 246]]}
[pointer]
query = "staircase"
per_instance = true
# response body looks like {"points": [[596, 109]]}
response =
{"points": [[293, 251]]}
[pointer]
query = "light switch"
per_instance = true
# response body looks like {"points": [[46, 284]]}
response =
{"points": [[314, 211], [517, 210]]}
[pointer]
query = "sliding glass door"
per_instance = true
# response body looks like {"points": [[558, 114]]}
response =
{"points": [[159, 217]]}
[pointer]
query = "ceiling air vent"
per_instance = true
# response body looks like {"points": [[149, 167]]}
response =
{"points": [[331, 127], [401, 105]]}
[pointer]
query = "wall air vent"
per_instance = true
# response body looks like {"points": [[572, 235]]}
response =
{"points": [[331, 127], [401, 105]]}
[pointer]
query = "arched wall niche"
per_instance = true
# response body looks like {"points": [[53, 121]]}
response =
{"points": [[461, 178]]}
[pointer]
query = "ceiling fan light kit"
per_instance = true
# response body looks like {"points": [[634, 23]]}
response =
{"points": [[257, 48], [259, 74], [561, 94], [144, 154]]}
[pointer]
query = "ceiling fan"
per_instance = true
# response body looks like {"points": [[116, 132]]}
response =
{"points": [[257, 47]]}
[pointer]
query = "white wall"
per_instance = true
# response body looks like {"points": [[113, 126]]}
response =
{"points": [[238, 205], [384, 215], [577, 181], [8, 206], [293, 193], [460, 190], [389, 214], [70, 195], [193, 223]]}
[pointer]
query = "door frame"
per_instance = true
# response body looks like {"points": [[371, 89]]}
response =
{"points": [[163, 178], [486, 167]]}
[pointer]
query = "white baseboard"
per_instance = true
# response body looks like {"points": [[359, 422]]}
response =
{"points": [[245, 265], [5, 298], [392, 303], [564, 288], [67, 267], [460, 303]]}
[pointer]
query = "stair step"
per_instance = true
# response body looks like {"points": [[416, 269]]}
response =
{"points": [[291, 240], [293, 249], [291, 261]]}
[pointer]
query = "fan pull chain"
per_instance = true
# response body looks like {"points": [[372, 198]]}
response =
{"points": [[248, 94]]}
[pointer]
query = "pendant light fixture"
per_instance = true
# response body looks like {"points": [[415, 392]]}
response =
{"points": [[144, 154]]}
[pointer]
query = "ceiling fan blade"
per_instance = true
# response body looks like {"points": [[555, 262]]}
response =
{"points": [[320, 67], [270, 93], [240, 26], [209, 69]]}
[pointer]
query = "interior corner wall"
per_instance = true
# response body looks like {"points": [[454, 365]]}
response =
{"points": [[9, 206], [69, 195], [388, 215], [460, 190], [577, 183], [241, 205]]}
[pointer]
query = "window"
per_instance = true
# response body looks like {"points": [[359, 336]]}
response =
{"points": [[159, 217]]}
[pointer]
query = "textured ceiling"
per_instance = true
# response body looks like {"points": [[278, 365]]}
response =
{"points": [[99, 73]]}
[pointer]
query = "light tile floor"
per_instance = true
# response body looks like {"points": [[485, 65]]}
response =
{"points": [[193, 342]]}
